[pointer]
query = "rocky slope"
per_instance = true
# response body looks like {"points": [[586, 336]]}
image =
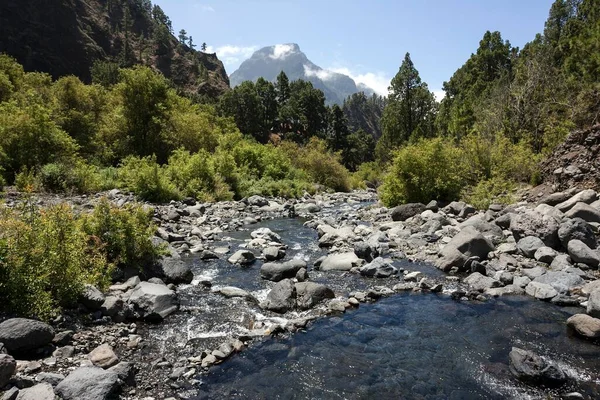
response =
{"points": [[268, 62], [65, 37], [576, 162]]}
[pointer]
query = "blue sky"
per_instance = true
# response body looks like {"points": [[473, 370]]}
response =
{"points": [[366, 39]]}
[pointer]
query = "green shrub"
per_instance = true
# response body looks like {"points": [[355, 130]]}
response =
{"points": [[45, 260], [369, 174], [425, 170], [125, 234], [192, 174], [26, 181], [488, 191], [147, 179]]}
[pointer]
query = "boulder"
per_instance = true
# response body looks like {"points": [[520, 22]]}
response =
{"points": [[593, 304], [581, 253], [586, 196], [585, 325], [545, 254], [585, 212], [487, 229], [366, 251], [266, 234], [504, 221], [306, 208], [561, 281], [91, 298], [8, 366], [41, 391], [467, 243], [379, 268], [340, 262], [556, 198], [560, 262], [89, 383], [541, 291], [480, 282], [550, 211], [232, 291], [278, 271], [531, 368], [257, 201], [529, 245], [281, 298], [406, 211], [309, 294], [175, 270], [533, 223], [153, 301], [273, 253], [21, 335], [576, 228], [103, 356], [242, 257], [49, 377]]}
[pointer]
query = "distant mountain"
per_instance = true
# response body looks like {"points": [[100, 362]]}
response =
{"points": [[268, 62]]}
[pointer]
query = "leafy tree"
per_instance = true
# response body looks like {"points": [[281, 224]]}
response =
{"points": [[105, 73], [245, 106], [359, 149], [410, 111]]}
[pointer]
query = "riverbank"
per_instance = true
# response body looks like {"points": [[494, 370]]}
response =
{"points": [[240, 272]]}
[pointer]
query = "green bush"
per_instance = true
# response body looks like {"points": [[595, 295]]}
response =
{"points": [[147, 179], [425, 170], [124, 233], [45, 260], [369, 174], [488, 191], [26, 181]]}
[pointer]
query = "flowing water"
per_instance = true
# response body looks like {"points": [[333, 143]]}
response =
{"points": [[407, 346]]}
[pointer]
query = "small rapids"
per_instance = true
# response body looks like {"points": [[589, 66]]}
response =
{"points": [[409, 346]]}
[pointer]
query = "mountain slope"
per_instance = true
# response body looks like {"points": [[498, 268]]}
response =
{"points": [[268, 62], [65, 37]]}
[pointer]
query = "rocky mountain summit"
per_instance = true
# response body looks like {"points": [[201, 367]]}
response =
{"points": [[269, 61]]}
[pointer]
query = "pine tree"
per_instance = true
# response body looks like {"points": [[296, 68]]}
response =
{"points": [[203, 47], [183, 36]]}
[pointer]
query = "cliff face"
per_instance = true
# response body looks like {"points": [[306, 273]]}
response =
{"points": [[66, 37]]}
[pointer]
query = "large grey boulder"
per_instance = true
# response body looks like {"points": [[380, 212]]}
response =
{"points": [[266, 234], [540, 290], [585, 325], [242, 257], [593, 304], [576, 228], [480, 282], [585, 212], [175, 270], [561, 281], [281, 298], [232, 291], [581, 253], [306, 208], [21, 335], [586, 196], [278, 271], [89, 383], [469, 242], [529, 245], [92, 298], [533, 223], [8, 366], [257, 201], [309, 294], [545, 254], [153, 301], [340, 262], [41, 391], [406, 211], [378, 268], [531, 368], [550, 211], [273, 253], [487, 229]]}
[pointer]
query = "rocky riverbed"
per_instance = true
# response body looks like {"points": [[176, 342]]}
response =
{"points": [[242, 272]]}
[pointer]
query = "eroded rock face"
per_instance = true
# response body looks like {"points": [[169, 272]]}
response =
{"points": [[21, 335]]}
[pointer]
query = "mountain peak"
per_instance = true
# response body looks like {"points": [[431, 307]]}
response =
{"points": [[269, 61]]}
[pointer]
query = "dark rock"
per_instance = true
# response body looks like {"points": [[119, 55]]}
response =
{"points": [[92, 298], [8, 366], [176, 270], [585, 212], [433, 206], [576, 228], [586, 196], [531, 368], [581, 253], [533, 223], [406, 211], [21, 335], [365, 251], [273, 253], [378, 268], [125, 371], [242, 257], [281, 298], [90, 383], [277, 271], [48, 377], [467, 243], [309, 294], [529, 245], [63, 338]]}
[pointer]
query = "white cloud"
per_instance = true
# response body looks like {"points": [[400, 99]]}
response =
{"points": [[232, 56], [281, 51], [322, 74], [375, 80], [204, 7], [439, 94]]}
